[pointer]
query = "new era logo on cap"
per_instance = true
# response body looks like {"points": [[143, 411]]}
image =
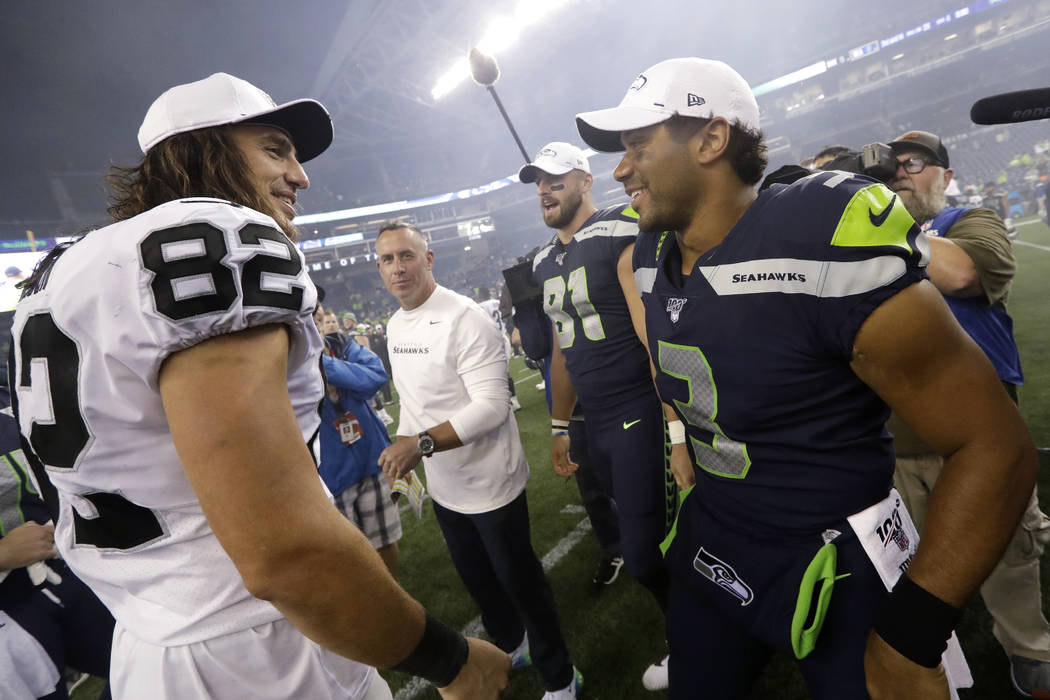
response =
{"points": [[673, 87]]}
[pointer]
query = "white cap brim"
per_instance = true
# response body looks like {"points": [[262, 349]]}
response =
{"points": [[530, 171], [306, 122], [601, 128]]}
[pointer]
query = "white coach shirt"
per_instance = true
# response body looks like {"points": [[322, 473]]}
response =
{"points": [[431, 348]]}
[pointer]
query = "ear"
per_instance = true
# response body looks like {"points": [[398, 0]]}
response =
{"points": [[711, 141], [948, 175], [586, 180], [430, 259]]}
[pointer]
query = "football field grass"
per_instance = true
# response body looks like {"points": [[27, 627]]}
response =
{"points": [[614, 633]]}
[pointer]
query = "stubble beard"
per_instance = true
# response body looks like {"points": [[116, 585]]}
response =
{"points": [[566, 211]]}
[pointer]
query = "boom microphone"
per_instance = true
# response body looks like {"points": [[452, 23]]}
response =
{"points": [[1012, 107]]}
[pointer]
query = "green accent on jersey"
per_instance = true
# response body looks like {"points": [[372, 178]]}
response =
{"points": [[19, 459], [629, 212], [666, 544], [821, 571], [857, 229], [660, 244], [627, 425], [20, 479]]}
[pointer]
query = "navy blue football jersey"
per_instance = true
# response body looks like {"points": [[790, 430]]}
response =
{"points": [[582, 297], [753, 349]]}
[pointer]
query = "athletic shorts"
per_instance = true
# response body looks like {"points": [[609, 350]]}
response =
{"points": [[271, 661], [369, 504]]}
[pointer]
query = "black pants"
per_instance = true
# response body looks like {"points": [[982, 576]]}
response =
{"points": [[626, 444], [600, 507], [493, 555], [717, 652]]}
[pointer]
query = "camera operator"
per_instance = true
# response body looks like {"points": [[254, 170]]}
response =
{"points": [[972, 265]]}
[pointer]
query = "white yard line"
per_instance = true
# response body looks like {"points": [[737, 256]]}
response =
{"points": [[525, 379], [1031, 245], [473, 628]]}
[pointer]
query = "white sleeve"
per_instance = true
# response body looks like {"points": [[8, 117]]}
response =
{"points": [[481, 363], [489, 403], [208, 268]]}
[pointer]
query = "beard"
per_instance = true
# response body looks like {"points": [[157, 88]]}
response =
{"points": [[566, 211], [673, 213], [923, 206]]}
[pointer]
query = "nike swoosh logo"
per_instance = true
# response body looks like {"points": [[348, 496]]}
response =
{"points": [[880, 218], [434, 322], [627, 425]]}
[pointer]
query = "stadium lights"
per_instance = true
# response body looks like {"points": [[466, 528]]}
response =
{"points": [[502, 33]]}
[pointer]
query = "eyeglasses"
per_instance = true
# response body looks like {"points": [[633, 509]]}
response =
{"points": [[914, 165]]}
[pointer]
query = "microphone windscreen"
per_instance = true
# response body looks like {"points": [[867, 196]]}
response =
{"points": [[483, 68], [1012, 107]]}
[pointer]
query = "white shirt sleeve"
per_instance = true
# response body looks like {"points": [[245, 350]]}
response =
{"points": [[481, 363]]}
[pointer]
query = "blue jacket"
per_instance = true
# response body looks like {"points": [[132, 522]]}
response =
{"points": [[990, 326], [357, 373]]}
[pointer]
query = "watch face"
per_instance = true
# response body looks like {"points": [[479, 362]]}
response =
{"points": [[426, 444]]}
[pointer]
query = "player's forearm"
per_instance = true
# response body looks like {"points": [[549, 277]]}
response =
{"points": [[563, 393], [973, 512], [338, 593]]}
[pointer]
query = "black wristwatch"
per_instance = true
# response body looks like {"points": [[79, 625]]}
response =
{"points": [[426, 444]]}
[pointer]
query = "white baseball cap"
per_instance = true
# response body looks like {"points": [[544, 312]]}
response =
{"points": [[223, 99], [690, 87], [556, 158]]}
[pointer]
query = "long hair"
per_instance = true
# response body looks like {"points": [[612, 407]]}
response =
{"points": [[200, 163]]}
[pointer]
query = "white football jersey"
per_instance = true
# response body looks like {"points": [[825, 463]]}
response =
{"points": [[88, 349]]}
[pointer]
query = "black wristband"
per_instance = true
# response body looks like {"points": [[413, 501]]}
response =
{"points": [[916, 623], [439, 656]]}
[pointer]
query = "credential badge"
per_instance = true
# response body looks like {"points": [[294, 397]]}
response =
{"points": [[674, 308]]}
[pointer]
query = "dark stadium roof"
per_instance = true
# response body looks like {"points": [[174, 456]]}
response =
{"points": [[78, 76]]}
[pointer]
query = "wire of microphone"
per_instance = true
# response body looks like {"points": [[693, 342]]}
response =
{"points": [[1012, 107]]}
